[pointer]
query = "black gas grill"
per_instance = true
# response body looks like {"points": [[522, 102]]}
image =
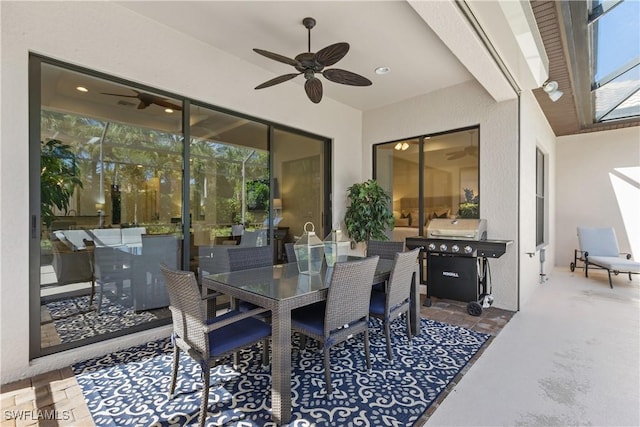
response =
{"points": [[456, 252]]}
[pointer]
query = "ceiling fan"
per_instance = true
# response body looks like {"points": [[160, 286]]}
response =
{"points": [[309, 63], [147, 99], [470, 150]]}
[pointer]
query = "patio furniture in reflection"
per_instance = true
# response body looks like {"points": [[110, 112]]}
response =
{"points": [[344, 314], [72, 264], [206, 341], [394, 301], [290, 251], [149, 286], [112, 265]]}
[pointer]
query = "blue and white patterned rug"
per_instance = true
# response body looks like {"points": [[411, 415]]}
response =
{"points": [[130, 387], [75, 319]]}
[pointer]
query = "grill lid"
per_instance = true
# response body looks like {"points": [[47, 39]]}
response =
{"points": [[457, 229]]}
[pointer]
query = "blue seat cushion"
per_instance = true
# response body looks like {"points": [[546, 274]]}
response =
{"points": [[376, 305], [246, 306], [236, 335], [310, 317]]}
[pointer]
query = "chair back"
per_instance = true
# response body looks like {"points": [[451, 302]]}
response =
{"points": [[111, 264], [399, 286], [598, 241], [291, 252], [254, 238], [349, 292], [384, 249], [244, 258], [188, 310]]}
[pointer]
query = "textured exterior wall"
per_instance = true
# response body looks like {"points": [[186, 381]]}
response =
{"points": [[461, 106], [598, 185]]}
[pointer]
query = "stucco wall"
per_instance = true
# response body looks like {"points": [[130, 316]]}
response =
{"points": [[465, 105], [598, 185], [535, 132], [107, 37]]}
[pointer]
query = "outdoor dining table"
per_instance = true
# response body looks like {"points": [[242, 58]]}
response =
{"points": [[281, 289]]}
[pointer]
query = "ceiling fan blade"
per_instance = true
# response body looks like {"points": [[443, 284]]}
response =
{"points": [[166, 104], [332, 54], [313, 87], [142, 105], [119, 94], [276, 57], [456, 155], [344, 77], [277, 80]]}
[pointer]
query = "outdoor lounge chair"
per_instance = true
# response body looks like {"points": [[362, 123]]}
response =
{"points": [[207, 340], [599, 248]]}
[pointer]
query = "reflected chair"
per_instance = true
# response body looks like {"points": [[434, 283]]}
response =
{"points": [[149, 287], [111, 265], [344, 314], [245, 258], [291, 252], [390, 305], [385, 250], [599, 248], [206, 341]]}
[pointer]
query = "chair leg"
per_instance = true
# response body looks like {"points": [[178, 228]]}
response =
{"points": [[367, 352], [174, 371], [205, 394], [327, 369], [93, 291], [610, 282], [408, 322], [387, 335], [265, 353], [586, 268]]}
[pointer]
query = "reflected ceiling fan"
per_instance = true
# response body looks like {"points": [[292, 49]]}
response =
{"points": [[147, 99], [309, 63], [470, 150]]}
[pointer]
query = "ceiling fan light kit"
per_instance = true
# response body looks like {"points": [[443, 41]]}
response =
{"points": [[309, 63]]}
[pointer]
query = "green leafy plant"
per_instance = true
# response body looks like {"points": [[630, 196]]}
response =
{"points": [[369, 213], [469, 208], [59, 177]]}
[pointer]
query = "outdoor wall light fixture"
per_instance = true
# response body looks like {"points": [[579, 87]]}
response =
{"points": [[551, 88]]}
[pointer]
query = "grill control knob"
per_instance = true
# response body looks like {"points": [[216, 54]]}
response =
{"points": [[432, 246], [468, 249], [443, 247], [455, 248]]}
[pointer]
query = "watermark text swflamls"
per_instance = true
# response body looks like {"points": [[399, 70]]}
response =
{"points": [[37, 414]]}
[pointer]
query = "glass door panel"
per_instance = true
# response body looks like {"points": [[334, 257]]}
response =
{"points": [[229, 187], [111, 191], [300, 174]]}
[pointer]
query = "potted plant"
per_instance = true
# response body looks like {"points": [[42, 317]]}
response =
{"points": [[369, 212], [59, 177]]}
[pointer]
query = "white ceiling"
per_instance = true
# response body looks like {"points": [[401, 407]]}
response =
{"points": [[381, 33]]}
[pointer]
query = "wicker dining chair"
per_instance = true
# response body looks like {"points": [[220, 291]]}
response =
{"points": [[344, 314], [246, 257], [205, 340], [385, 249], [395, 301]]}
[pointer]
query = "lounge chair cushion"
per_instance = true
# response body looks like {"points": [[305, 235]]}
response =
{"points": [[615, 263], [598, 241]]}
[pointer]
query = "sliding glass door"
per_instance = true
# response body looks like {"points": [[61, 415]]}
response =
{"points": [[115, 191]]}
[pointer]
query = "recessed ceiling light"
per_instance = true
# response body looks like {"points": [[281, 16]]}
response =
{"points": [[82, 89], [168, 110], [382, 70]]}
